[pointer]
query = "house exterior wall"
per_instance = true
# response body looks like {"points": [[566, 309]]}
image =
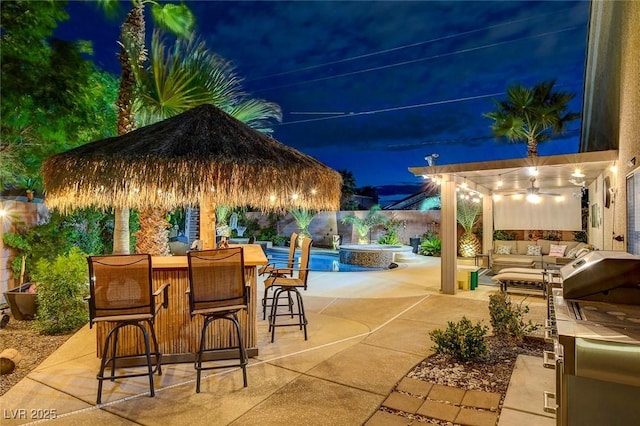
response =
{"points": [[616, 109]]}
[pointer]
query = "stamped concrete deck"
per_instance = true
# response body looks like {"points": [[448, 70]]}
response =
{"points": [[366, 331]]}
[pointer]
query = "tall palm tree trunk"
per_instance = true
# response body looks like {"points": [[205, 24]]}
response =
{"points": [[153, 236], [532, 148], [121, 232], [132, 32]]}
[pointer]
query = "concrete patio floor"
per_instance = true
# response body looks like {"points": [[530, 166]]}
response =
{"points": [[366, 331]]}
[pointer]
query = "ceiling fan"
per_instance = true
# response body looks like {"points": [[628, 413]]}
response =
{"points": [[533, 193]]}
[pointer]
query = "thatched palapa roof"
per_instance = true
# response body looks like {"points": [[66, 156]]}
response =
{"points": [[203, 152]]}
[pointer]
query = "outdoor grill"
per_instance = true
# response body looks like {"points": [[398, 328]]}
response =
{"points": [[594, 322]]}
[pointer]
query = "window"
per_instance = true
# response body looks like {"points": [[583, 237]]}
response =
{"points": [[633, 213]]}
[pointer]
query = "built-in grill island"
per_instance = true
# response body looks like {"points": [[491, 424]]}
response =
{"points": [[594, 323]]}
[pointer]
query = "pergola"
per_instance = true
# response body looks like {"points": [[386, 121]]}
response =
{"points": [[553, 172]]}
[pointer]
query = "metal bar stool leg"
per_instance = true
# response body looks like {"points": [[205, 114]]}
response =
{"points": [[198, 363], [147, 348], [301, 313], [241, 349]]}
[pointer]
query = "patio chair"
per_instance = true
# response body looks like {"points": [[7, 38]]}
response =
{"points": [[217, 290], [288, 281], [121, 294], [276, 262]]}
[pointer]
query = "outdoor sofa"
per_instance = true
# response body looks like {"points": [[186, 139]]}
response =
{"points": [[539, 254]]}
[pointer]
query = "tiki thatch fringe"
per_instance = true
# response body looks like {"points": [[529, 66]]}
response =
{"points": [[203, 153], [153, 236]]}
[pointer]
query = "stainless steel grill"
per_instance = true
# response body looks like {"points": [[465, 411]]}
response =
{"points": [[594, 322], [607, 276]]}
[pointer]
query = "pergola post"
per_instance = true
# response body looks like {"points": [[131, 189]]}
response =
{"points": [[449, 234], [207, 223], [487, 224]]}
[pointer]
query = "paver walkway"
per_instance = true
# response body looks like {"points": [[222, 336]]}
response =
{"points": [[450, 404]]}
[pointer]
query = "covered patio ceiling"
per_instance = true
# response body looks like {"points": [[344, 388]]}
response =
{"points": [[553, 171]]}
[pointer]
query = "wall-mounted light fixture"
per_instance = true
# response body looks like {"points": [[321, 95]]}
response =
{"points": [[431, 159]]}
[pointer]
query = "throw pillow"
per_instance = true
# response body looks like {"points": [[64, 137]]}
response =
{"points": [[503, 250], [534, 250], [582, 252], [572, 252], [557, 251]]}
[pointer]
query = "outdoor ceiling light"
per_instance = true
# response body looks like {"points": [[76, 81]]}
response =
{"points": [[533, 198], [497, 197], [577, 173], [272, 198], [294, 196], [314, 191], [500, 182], [533, 171]]}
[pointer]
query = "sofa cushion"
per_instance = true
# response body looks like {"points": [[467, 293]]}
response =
{"points": [[569, 244], [572, 252], [510, 243], [557, 250], [503, 249], [521, 247], [545, 244], [534, 250]]}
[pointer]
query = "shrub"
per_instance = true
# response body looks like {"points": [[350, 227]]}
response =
{"points": [[431, 247], [504, 235], [62, 286], [462, 340], [507, 319]]}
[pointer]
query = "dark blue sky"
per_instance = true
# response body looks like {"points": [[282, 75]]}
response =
{"points": [[373, 87]]}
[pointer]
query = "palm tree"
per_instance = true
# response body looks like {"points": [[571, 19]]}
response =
{"points": [[532, 115], [179, 79], [189, 75], [364, 225], [176, 18], [467, 215]]}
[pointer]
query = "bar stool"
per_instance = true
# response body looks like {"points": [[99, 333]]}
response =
{"points": [[217, 290], [121, 294], [274, 263], [287, 281]]}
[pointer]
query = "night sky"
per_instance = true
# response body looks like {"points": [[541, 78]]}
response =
{"points": [[373, 87]]}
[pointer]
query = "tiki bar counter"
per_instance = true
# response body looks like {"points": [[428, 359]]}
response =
{"points": [[179, 334]]}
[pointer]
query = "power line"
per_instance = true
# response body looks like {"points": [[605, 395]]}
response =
{"points": [[397, 64], [378, 111], [406, 46]]}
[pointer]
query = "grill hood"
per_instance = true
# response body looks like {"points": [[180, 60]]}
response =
{"points": [[607, 276]]}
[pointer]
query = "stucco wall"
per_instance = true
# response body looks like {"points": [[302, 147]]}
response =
{"points": [[325, 224], [618, 74]]}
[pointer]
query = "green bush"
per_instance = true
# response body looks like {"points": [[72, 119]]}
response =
{"points": [[431, 247], [462, 340], [504, 235], [62, 286], [507, 319]]}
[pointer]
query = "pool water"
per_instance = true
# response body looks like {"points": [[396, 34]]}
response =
{"points": [[319, 261]]}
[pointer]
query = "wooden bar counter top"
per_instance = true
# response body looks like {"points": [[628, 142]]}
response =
{"points": [[178, 334]]}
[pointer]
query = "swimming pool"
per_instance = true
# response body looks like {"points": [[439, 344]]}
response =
{"points": [[321, 261]]}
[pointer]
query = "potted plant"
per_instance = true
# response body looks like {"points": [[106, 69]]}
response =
{"points": [[364, 225], [30, 186], [222, 221]]}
